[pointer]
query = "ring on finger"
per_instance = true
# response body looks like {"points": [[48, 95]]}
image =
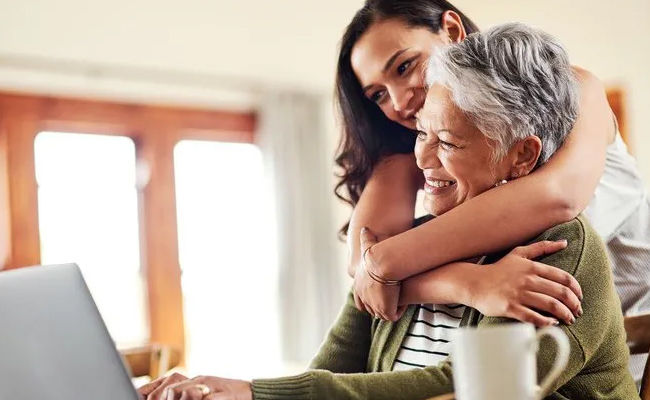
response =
{"points": [[205, 390]]}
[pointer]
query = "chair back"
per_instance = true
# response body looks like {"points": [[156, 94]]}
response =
{"points": [[153, 360]]}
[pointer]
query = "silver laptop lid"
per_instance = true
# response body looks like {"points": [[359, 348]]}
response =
{"points": [[53, 342]]}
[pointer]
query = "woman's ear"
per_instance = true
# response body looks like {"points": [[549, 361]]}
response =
{"points": [[452, 24], [525, 154]]}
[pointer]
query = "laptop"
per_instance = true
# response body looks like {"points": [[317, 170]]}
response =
{"points": [[53, 342]]}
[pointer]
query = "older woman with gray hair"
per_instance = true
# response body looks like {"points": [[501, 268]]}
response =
{"points": [[499, 105]]}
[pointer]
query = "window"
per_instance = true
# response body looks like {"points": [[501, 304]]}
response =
{"points": [[226, 250], [88, 214], [68, 192]]}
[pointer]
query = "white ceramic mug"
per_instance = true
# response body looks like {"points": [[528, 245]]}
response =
{"points": [[499, 362]]}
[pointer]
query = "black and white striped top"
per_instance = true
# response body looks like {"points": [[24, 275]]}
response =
{"points": [[428, 340]]}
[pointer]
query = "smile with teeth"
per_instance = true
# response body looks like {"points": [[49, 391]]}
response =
{"points": [[437, 186], [438, 183]]}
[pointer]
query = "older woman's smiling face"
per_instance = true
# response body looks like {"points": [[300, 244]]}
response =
{"points": [[455, 157]]}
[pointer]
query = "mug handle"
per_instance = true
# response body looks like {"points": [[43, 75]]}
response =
{"points": [[561, 358]]}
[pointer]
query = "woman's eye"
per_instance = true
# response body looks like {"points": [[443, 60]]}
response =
{"points": [[401, 69], [446, 145], [421, 135], [377, 96]]}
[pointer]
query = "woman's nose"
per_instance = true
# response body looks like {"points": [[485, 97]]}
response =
{"points": [[425, 155], [401, 99]]}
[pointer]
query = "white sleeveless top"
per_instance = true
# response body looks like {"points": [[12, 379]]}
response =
{"points": [[428, 340]]}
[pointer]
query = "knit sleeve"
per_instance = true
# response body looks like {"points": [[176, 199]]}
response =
{"points": [[325, 385], [346, 346]]}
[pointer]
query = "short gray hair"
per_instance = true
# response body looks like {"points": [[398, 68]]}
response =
{"points": [[512, 81]]}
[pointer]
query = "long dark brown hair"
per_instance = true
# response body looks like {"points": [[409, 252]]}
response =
{"points": [[367, 133]]}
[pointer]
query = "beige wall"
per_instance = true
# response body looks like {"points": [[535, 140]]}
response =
{"points": [[189, 51]]}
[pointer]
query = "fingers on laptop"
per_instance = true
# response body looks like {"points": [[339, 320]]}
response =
{"points": [[155, 389]]}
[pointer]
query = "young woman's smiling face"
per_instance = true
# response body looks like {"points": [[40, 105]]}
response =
{"points": [[389, 61], [455, 157]]}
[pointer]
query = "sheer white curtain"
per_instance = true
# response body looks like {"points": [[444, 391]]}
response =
{"points": [[292, 136]]}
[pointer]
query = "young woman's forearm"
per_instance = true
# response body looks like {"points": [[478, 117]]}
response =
{"points": [[513, 213], [448, 284], [387, 204]]}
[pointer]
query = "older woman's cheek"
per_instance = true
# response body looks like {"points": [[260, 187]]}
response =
{"points": [[418, 150]]}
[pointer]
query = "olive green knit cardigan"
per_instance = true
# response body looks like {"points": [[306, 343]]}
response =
{"points": [[356, 359]]}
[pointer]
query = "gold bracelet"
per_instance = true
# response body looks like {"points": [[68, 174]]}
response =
{"points": [[379, 279], [375, 277]]}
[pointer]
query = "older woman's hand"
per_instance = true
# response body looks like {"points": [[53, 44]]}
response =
{"points": [[379, 300], [520, 288], [178, 387], [154, 389]]}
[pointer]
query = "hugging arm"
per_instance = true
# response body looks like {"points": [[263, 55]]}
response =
{"points": [[515, 287], [387, 204]]}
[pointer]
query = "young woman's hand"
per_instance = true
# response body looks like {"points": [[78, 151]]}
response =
{"points": [[379, 300], [520, 288], [177, 387]]}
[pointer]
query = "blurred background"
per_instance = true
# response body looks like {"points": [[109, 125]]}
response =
{"points": [[182, 154]]}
